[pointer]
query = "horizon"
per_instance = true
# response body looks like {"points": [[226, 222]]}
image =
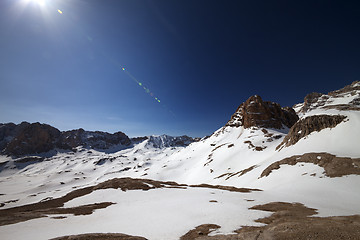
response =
{"points": [[177, 68]]}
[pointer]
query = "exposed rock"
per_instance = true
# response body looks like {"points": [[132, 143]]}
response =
{"points": [[334, 166], [33, 138], [343, 107], [305, 126], [319, 100], [7, 133], [259, 113], [200, 231], [352, 88], [164, 141], [309, 100], [252, 146], [139, 139], [90, 139], [239, 173], [294, 221], [100, 236]]}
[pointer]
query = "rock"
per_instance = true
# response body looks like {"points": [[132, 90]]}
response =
{"points": [[352, 89], [33, 138], [259, 113], [139, 139], [310, 99], [318, 100], [308, 125], [164, 141], [90, 139]]}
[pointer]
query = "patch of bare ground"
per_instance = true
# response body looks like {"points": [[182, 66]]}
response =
{"points": [[310, 124], [100, 236], [239, 173], [334, 166], [200, 231], [55, 205], [252, 146], [226, 188], [294, 221], [342, 107]]}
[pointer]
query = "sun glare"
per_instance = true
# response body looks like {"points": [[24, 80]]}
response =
{"points": [[40, 2]]}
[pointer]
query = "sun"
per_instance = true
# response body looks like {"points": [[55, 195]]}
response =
{"points": [[40, 2]]}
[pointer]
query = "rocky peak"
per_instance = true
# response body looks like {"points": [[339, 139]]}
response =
{"points": [[259, 113], [27, 138]]}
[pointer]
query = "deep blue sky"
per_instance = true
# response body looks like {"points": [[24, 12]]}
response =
{"points": [[201, 59]]}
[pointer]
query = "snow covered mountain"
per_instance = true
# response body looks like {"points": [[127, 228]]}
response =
{"points": [[295, 162]]}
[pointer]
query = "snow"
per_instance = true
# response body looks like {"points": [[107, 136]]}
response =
{"points": [[154, 214]]}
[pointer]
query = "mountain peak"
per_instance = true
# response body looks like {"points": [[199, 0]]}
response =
{"points": [[259, 113]]}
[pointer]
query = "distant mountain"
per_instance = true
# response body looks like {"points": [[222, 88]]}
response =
{"points": [[164, 141], [34, 138]]}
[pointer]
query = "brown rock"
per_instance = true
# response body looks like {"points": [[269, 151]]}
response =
{"points": [[256, 112], [333, 166], [352, 88], [308, 125], [309, 100], [100, 236]]}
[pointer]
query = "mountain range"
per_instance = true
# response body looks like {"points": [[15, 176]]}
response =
{"points": [[270, 172]]}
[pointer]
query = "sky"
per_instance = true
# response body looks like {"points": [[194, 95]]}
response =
{"points": [[175, 67]]}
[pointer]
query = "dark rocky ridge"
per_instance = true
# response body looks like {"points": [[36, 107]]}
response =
{"points": [[32, 138], [305, 126], [259, 113], [27, 138], [315, 100], [90, 139]]}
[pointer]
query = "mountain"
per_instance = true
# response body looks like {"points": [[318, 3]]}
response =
{"points": [[270, 172], [35, 138]]}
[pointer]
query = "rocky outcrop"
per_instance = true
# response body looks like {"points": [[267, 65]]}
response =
{"points": [[259, 113], [310, 124], [165, 141], [33, 138], [326, 101], [334, 166], [311, 99], [352, 89], [90, 139]]}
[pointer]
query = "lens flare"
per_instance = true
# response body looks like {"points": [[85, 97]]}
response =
{"points": [[141, 85], [59, 11]]}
